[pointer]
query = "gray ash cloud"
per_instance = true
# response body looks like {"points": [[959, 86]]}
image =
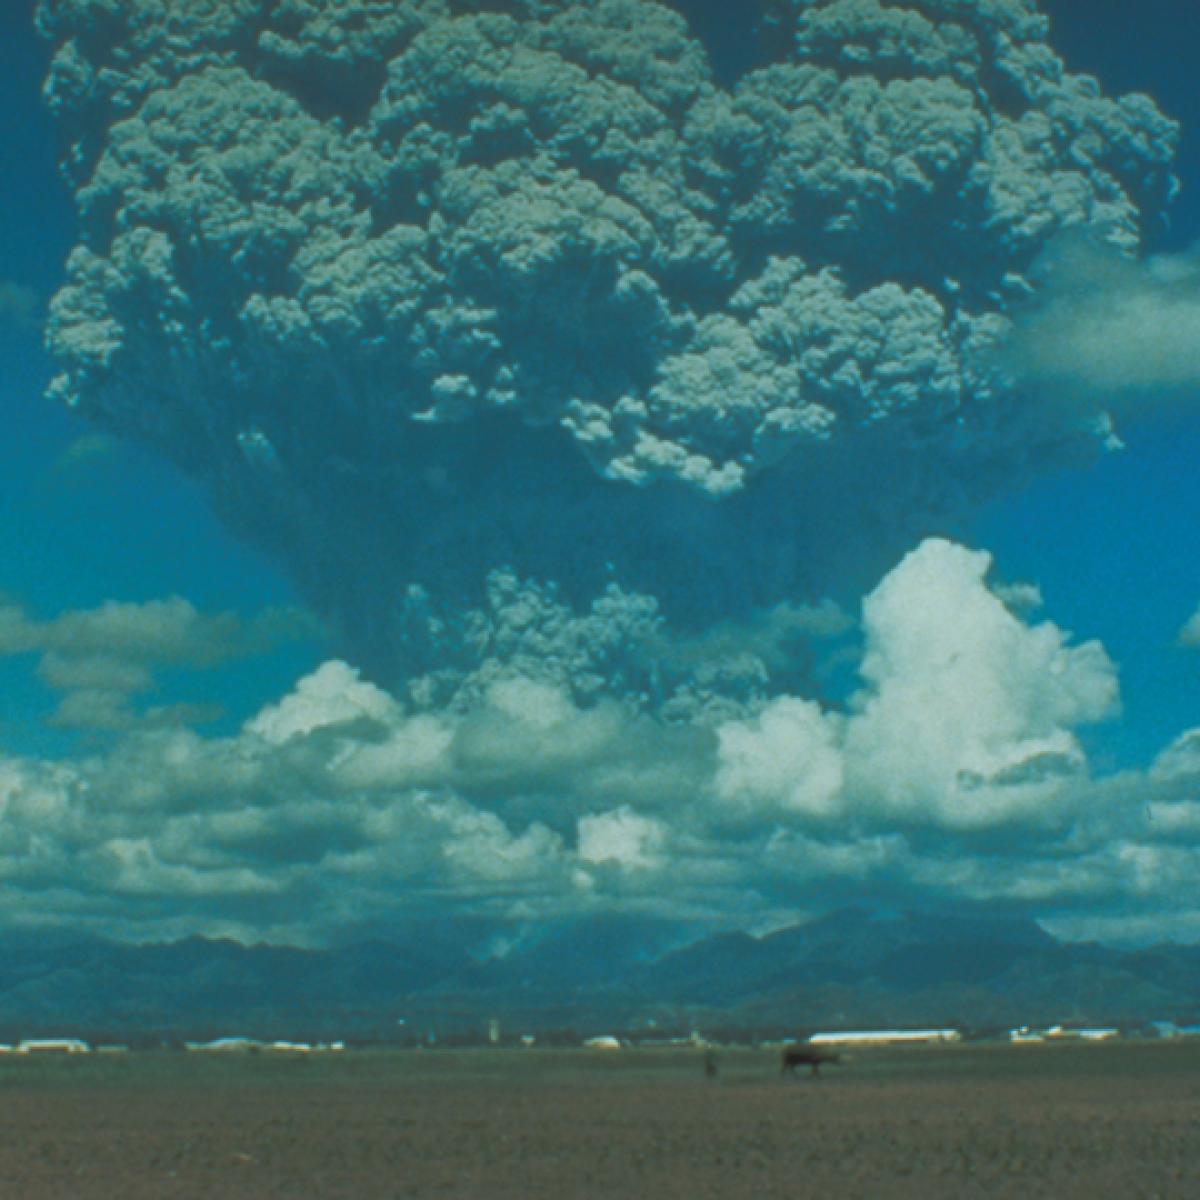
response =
{"points": [[426, 291]]}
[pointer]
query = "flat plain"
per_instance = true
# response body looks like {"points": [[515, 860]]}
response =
{"points": [[1063, 1121]]}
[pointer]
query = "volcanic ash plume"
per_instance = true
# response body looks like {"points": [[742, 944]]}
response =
{"points": [[497, 319]]}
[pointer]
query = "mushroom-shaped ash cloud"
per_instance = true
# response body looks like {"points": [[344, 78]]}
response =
{"points": [[427, 290]]}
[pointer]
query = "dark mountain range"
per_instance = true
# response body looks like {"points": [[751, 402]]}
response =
{"points": [[978, 972]]}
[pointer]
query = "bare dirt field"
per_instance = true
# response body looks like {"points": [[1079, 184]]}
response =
{"points": [[1094, 1121]]}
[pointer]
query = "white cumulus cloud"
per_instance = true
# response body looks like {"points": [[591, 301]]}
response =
{"points": [[332, 695], [623, 837], [967, 714], [788, 758]]}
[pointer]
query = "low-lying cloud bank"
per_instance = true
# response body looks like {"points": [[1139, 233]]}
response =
{"points": [[954, 774], [105, 662]]}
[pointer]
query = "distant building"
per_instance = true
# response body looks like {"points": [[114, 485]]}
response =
{"points": [[225, 1045], [1062, 1033], [1168, 1029], [1026, 1036], [885, 1037], [1065, 1033], [605, 1042], [53, 1046]]}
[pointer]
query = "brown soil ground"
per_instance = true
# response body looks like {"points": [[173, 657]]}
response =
{"points": [[1054, 1121]]}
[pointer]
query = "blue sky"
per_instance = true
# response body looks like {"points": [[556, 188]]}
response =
{"points": [[89, 519], [1111, 544]]}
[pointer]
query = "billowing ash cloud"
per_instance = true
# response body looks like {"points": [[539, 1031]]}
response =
{"points": [[473, 309]]}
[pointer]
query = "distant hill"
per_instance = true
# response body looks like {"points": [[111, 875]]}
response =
{"points": [[848, 968]]}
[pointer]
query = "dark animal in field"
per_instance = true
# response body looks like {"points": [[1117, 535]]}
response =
{"points": [[806, 1056]]}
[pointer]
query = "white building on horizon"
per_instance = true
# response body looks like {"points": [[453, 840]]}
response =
{"points": [[53, 1046], [603, 1042], [226, 1045], [885, 1037]]}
